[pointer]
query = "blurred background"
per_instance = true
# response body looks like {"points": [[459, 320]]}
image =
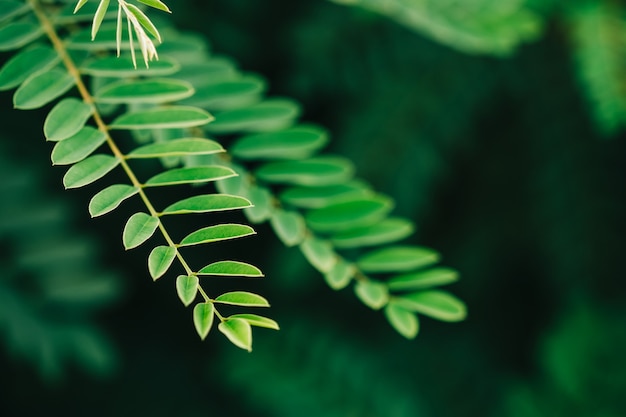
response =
{"points": [[496, 125]]}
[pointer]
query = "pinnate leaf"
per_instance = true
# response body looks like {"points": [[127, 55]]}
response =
{"points": [[41, 88], [66, 119], [160, 260], [238, 331], [187, 288], [110, 198], [318, 171], [89, 170], [294, 143], [423, 279], [231, 269], [349, 214], [256, 320], [397, 258], [17, 34], [144, 91], [207, 203], [322, 196], [319, 253], [203, 314], [404, 321], [139, 228], [261, 117], [98, 17], [385, 231], [25, 63], [289, 226], [122, 67], [242, 298], [373, 294], [340, 275], [77, 147], [191, 175], [157, 4], [170, 117], [177, 147], [436, 304], [217, 233]]}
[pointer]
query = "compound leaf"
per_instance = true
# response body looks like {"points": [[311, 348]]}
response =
{"points": [[238, 331], [216, 233], [385, 231], [318, 171], [177, 147], [404, 321], [373, 294], [89, 170], [423, 279], [293, 143], [203, 314], [433, 303], [110, 198], [242, 298], [77, 147], [231, 269], [41, 88], [66, 119], [149, 90], [160, 260], [25, 63], [139, 228], [187, 288], [207, 203], [170, 117], [397, 258], [256, 320], [349, 214], [289, 226], [190, 175]]}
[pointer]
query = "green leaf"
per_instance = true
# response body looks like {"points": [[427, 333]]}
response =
{"points": [[242, 298], [263, 204], [139, 228], [231, 269], [322, 170], [340, 275], [17, 34], [385, 231], [424, 279], [238, 331], [10, 8], [65, 119], [433, 303], [77, 147], [319, 253], [349, 214], [177, 147], [228, 94], [157, 4], [122, 67], [266, 116], [89, 170], [289, 226], [25, 63], [190, 176], [187, 288], [207, 203], [106, 39], [397, 258], [294, 143], [404, 321], [41, 88], [79, 5], [160, 260], [316, 197], [203, 314], [373, 294], [256, 320], [152, 90], [144, 21], [110, 198], [171, 117], [98, 17], [217, 233]]}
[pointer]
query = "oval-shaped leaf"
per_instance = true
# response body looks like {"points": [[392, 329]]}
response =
{"points": [[423, 279], [110, 198], [349, 214], [187, 288], [405, 322], [66, 119], [139, 228], [228, 94], [41, 88], [242, 298], [106, 39], [397, 258], [151, 90], [231, 269], [160, 260], [294, 143], [89, 170], [436, 304], [316, 197], [177, 147], [289, 226], [162, 118], [207, 203], [319, 253], [217, 233], [203, 314], [11, 8], [256, 320], [262, 204], [122, 67], [385, 231], [77, 147], [340, 275], [25, 63], [17, 34], [262, 117], [192, 175], [323, 170], [238, 331], [373, 294]]}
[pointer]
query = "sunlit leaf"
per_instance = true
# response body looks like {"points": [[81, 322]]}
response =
{"points": [[340, 275], [149, 90], [160, 260], [41, 88], [289, 226], [349, 214], [318, 171], [187, 288], [242, 298], [294, 143], [157, 4], [98, 17], [262, 204], [238, 331], [79, 5], [373, 294], [178, 147], [25, 63], [144, 21], [162, 118], [207, 203], [77, 147], [231, 269], [382, 232], [217, 233], [89, 170], [404, 321], [190, 175], [423, 279], [65, 119], [17, 34], [256, 320], [433, 303], [397, 258], [319, 253], [203, 314], [139, 228], [110, 198]]}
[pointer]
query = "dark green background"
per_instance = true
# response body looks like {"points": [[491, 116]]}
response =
{"points": [[498, 162]]}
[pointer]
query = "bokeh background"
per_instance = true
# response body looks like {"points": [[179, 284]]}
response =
{"points": [[497, 126]]}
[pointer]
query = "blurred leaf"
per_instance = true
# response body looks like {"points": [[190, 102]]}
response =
{"points": [[403, 320], [41, 88], [397, 258], [436, 304], [373, 294]]}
